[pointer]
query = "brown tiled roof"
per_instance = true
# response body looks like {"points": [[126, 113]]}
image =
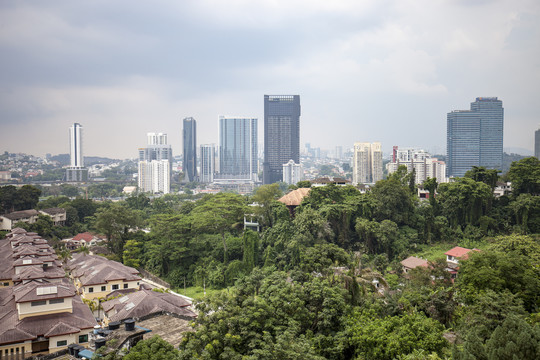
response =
{"points": [[86, 236], [62, 329], [27, 261], [17, 215], [146, 302], [54, 211], [295, 197], [33, 273], [29, 291], [95, 270], [411, 262]]}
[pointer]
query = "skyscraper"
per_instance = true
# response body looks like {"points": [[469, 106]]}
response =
{"points": [[367, 163], [475, 136], [537, 144], [190, 149], [281, 134], [292, 173], [155, 165], [76, 171], [423, 164], [238, 148], [208, 163]]}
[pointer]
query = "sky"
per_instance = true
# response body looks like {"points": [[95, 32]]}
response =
{"points": [[365, 70]]}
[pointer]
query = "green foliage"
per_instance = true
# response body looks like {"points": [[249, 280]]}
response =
{"points": [[525, 176], [132, 253], [154, 348], [386, 338]]}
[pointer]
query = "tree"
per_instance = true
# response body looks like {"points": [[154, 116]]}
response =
{"points": [[264, 196], [132, 253], [115, 222], [219, 213], [386, 338], [8, 196], [525, 176], [154, 348], [27, 197], [393, 202]]}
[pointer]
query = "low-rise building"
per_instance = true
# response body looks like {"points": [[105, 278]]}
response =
{"points": [[95, 276], [413, 262]]}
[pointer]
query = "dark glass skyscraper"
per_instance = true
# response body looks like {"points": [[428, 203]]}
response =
{"points": [[537, 144], [475, 137], [281, 135], [190, 149]]}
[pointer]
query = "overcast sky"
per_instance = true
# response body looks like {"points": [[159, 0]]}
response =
{"points": [[365, 70]]}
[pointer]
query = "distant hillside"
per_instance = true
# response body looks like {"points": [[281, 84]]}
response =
{"points": [[508, 159], [91, 160]]}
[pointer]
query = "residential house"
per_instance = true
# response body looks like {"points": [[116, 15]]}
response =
{"points": [[95, 276], [39, 310], [413, 262]]}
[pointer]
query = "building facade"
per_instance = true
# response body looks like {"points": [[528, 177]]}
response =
{"points": [[190, 149], [208, 163], [238, 148], [367, 163], [281, 134], [155, 165], [292, 172], [475, 136], [76, 171], [423, 164]]}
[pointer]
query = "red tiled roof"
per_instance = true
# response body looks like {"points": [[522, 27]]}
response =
{"points": [[86, 236], [457, 252]]}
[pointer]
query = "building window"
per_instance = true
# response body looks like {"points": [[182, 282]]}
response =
{"points": [[90, 289], [61, 343], [38, 303], [6, 284], [83, 338], [56, 301], [115, 287], [104, 288], [125, 286]]}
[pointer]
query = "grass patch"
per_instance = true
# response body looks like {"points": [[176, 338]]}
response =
{"points": [[196, 292]]}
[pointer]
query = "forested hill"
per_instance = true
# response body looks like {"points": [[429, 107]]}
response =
{"points": [[327, 283]]}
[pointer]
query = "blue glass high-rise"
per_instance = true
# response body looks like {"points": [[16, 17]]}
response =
{"points": [[190, 149], [475, 137]]}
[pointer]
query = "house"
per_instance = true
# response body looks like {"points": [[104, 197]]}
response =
{"points": [[27, 216], [454, 255], [294, 198], [145, 302], [40, 312], [413, 262], [82, 239], [95, 276], [58, 215], [330, 180], [7, 221]]}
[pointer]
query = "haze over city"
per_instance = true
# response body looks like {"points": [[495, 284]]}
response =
{"points": [[385, 71]]}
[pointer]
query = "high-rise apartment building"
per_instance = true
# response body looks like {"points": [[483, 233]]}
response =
{"points": [[190, 149], [292, 172], [208, 163], [423, 164], [475, 136], [155, 165], [367, 163], [238, 148], [76, 171], [537, 144], [281, 134]]}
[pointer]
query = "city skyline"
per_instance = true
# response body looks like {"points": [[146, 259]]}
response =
{"points": [[382, 69]]}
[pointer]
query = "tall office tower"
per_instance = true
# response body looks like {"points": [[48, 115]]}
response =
{"points": [[475, 137], [281, 134], [238, 148], [208, 163], [423, 164], [537, 144], [190, 149], [367, 163], [339, 152], [76, 171], [157, 138], [155, 165], [292, 173]]}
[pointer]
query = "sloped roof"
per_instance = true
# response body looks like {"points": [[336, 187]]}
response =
{"points": [[23, 214], [86, 236], [29, 291], [95, 270], [412, 262], [145, 302], [457, 251], [62, 329], [54, 211], [295, 197]]}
